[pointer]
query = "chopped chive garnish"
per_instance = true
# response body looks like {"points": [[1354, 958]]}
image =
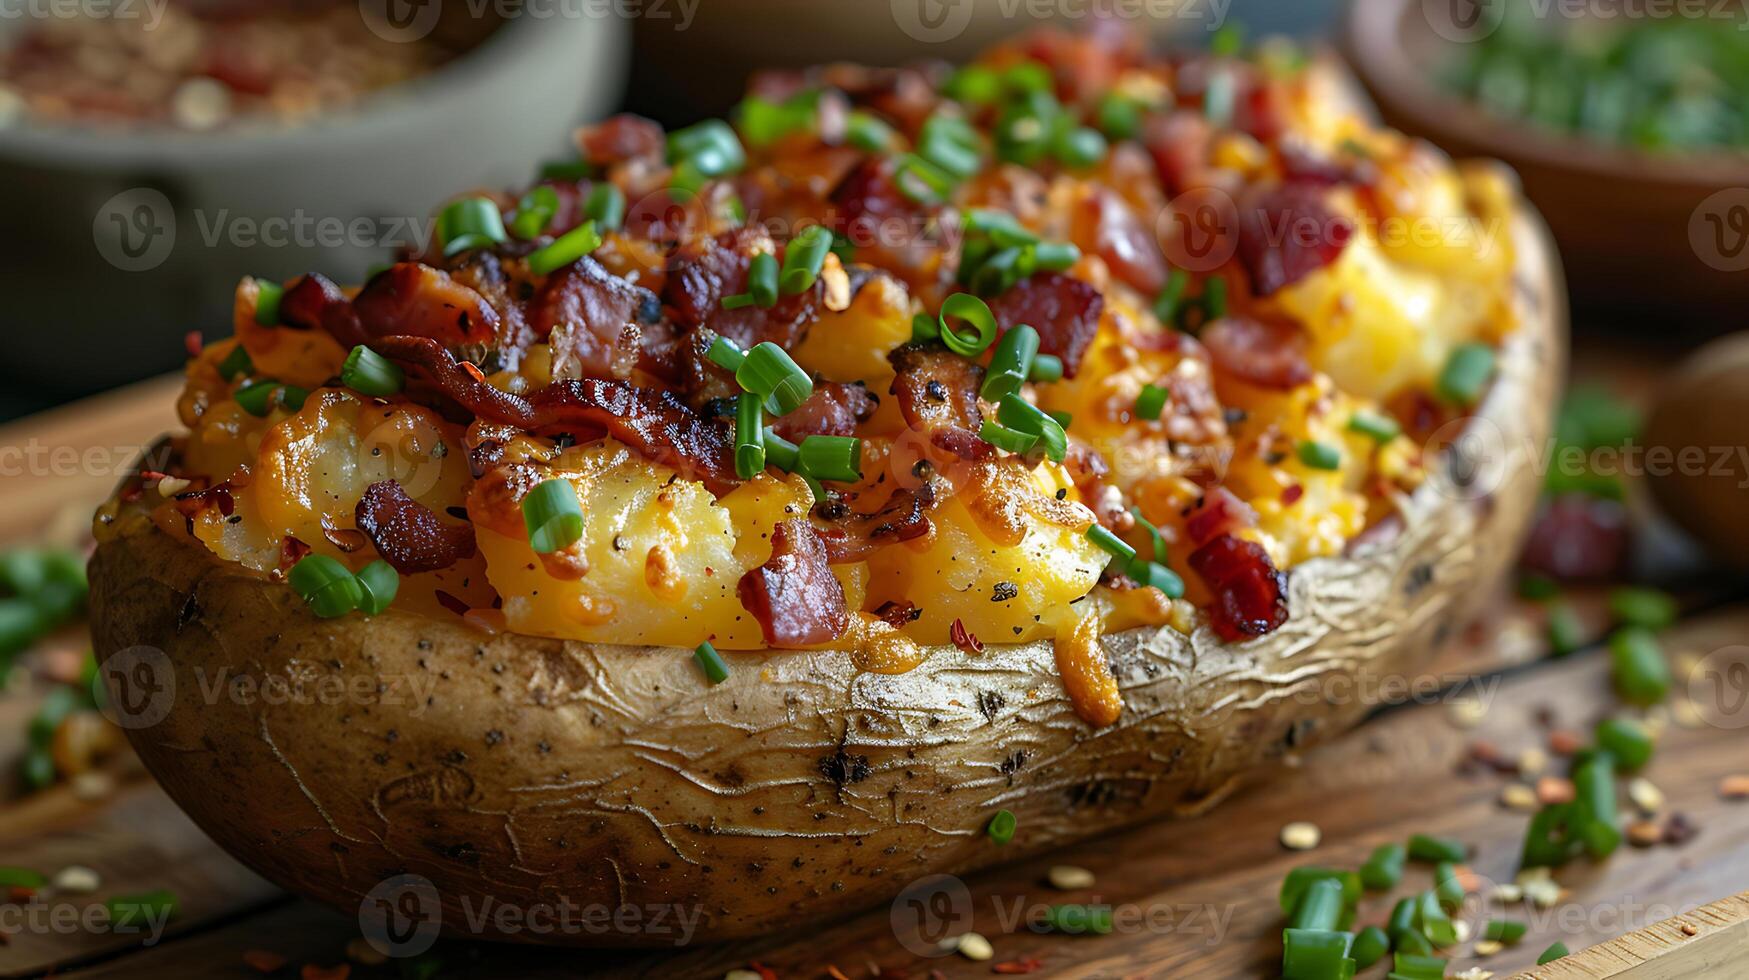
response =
{"points": [[737, 301], [132, 912], [606, 206], [1369, 946], [1214, 299], [711, 662], [1384, 868], [1157, 576], [1625, 739], [922, 181], [1011, 363], [1118, 116], [1151, 402], [22, 878], [1055, 256], [472, 222], [267, 297], [552, 515], [1423, 847], [749, 435], [726, 354], [711, 146], [369, 373], [1566, 631], [1001, 827], [1641, 675], [1171, 296], [803, 259], [1000, 227], [1299, 879], [378, 582], [1081, 147], [1652, 609], [1466, 373], [1436, 924], [1319, 456], [763, 121], [1447, 885], [327, 585], [1155, 538], [1374, 425], [1078, 920], [564, 250], [1029, 76], [762, 279], [1320, 907], [1020, 415], [925, 328], [1537, 587], [236, 364], [975, 84], [975, 313], [951, 144], [769, 372], [534, 212], [1409, 965], [1006, 439], [869, 132], [780, 452], [1594, 803], [1047, 368], [1553, 953], [1111, 543], [830, 458], [259, 398], [1506, 931], [1315, 954], [572, 170]]}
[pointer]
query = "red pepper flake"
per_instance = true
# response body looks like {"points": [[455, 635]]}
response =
{"points": [[963, 638], [765, 972], [192, 342], [835, 973], [1292, 495], [291, 551], [451, 603], [20, 894], [262, 960], [1029, 964]]}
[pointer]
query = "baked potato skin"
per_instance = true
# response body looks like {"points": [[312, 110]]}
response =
{"points": [[529, 769]]}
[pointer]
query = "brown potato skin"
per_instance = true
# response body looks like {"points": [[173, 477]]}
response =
{"points": [[798, 790]]}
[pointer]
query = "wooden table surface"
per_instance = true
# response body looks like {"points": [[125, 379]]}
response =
{"points": [[1198, 894]]}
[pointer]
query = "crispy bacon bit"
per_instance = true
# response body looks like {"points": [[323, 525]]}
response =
{"points": [[1179, 144], [794, 596], [1128, 247], [963, 638], [347, 539], [190, 504], [1287, 233], [852, 537], [1026, 964], [412, 299], [1292, 494], [291, 551], [621, 138], [833, 409], [1250, 594], [1219, 512], [938, 392], [701, 273], [315, 303], [898, 614], [1265, 354], [1064, 310], [407, 533], [594, 320], [888, 229]]}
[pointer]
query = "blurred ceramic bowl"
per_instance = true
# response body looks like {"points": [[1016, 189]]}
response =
{"points": [[1665, 234], [125, 240]]}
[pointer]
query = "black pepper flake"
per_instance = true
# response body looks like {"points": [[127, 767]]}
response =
{"points": [[1004, 591]]}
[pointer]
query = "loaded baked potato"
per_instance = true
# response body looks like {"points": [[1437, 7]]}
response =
{"points": [[739, 519]]}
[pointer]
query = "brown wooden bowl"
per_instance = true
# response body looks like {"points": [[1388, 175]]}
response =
{"points": [[1638, 232]]}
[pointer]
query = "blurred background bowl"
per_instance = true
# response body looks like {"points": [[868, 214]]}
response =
{"points": [[126, 239], [1664, 234]]}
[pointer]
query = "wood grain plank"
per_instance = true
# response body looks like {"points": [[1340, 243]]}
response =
{"points": [[1709, 943]]}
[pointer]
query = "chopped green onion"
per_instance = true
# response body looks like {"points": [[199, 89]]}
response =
{"points": [[1111, 544], [472, 222], [831, 458], [1641, 675], [803, 259], [867, 131], [749, 435], [22, 878], [1118, 116], [1552, 954], [1627, 740], [1402, 919], [688, 176], [237, 363], [1030, 76], [922, 181], [1465, 374], [1411, 941], [1436, 925], [379, 582], [293, 397], [534, 212], [20, 625], [1171, 295], [1078, 920], [711, 146], [1299, 879], [1594, 802], [136, 912], [1384, 869], [552, 515], [1011, 363], [780, 452], [1081, 147], [1006, 439], [1374, 425], [1537, 587], [267, 297], [925, 328], [259, 398], [1652, 609], [606, 206], [1154, 575], [1151, 402], [764, 122], [726, 354], [1055, 256], [1000, 227], [1423, 847], [564, 250], [1228, 39], [369, 373], [951, 144], [1447, 885], [1315, 954], [1566, 631], [1214, 299], [1369, 947], [1155, 538], [1016, 413], [1549, 840], [762, 279], [572, 170], [1025, 129], [769, 372], [996, 274], [327, 585], [1001, 827], [1320, 907], [1506, 931], [1047, 368], [975, 84], [1417, 966], [60, 702], [975, 313], [711, 662], [1319, 456]]}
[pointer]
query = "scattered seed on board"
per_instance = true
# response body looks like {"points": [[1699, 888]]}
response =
{"points": [[1468, 713], [1543, 893], [1475, 973], [1067, 877], [1508, 894], [1646, 795], [1645, 833], [1551, 790], [1565, 741], [1734, 787], [1488, 947], [76, 879], [1532, 762], [1689, 929], [1462, 928], [1301, 835], [1519, 797], [974, 947]]}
